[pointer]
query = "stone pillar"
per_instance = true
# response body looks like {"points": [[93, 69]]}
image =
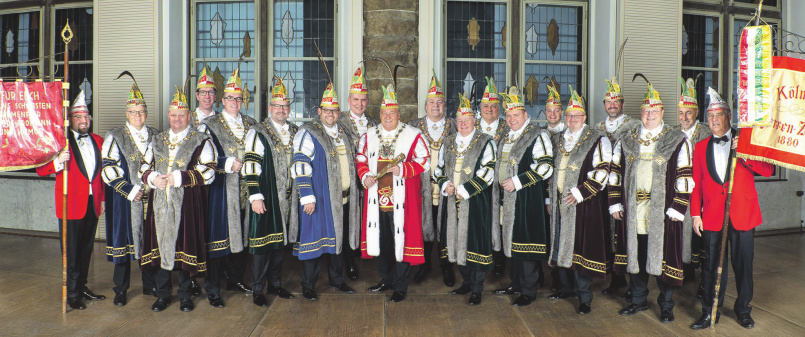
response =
{"points": [[391, 32]]}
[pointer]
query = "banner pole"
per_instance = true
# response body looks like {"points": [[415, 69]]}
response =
{"points": [[67, 35], [724, 232]]}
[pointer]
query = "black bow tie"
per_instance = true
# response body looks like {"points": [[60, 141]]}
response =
{"points": [[83, 136], [723, 138]]}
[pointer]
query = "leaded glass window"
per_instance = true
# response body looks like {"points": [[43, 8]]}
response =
{"points": [[701, 51], [20, 34]]}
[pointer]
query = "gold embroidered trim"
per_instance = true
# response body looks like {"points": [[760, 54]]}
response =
{"points": [[620, 259], [478, 258], [591, 265], [529, 248], [268, 239]]}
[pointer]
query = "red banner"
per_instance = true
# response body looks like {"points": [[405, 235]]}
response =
{"points": [[782, 143], [31, 124]]}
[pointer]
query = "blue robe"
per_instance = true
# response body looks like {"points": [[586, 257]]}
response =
{"points": [[119, 240], [316, 231]]}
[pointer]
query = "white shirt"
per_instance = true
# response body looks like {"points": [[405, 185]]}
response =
{"points": [[490, 129], [721, 154], [435, 129], [87, 155], [558, 128], [543, 170], [572, 138], [200, 115], [284, 132], [689, 133], [462, 143], [613, 125], [235, 125], [360, 122], [648, 134], [333, 133], [140, 137]]}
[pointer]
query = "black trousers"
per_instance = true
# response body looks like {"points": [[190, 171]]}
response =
{"points": [[444, 263], [215, 272], [347, 253], [236, 262], [565, 276], [741, 250], [149, 279], [524, 275], [391, 271], [267, 266], [80, 240], [310, 271], [567, 279], [165, 287], [473, 278], [581, 287], [122, 277], [640, 280]]}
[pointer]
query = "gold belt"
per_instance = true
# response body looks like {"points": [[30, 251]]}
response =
{"points": [[643, 195]]}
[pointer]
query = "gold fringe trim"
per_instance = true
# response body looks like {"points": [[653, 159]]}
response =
{"points": [[772, 161]]}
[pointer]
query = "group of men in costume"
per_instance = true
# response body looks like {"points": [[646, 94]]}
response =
{"points": [[215, 187]]}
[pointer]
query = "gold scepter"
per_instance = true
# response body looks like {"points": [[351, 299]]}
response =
{"points": [[67, 36], [397, 160]]}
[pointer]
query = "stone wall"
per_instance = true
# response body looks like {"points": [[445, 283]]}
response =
{"points": [[391, 32], [28, 204]]}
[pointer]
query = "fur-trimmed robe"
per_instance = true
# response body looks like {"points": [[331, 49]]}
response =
{"points": [[225, 205], [345, 121], [584, 229], [421, 124], [325, 149], [124, 218], [501, 130], [692, 253], [464, 229], [522, 210], [173, 232], [665, 243], [280, 195]]}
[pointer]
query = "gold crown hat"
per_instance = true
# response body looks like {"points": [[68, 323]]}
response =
{"points": [[575, 103], [233, 84], [716, 102], [279, 93], [80, 104], [652, 97], [688, 97], [435, 87], [512, 99], [613, 88], [491, 92], [358, 85], [464, 106], [135, 95], [179, 101], [554, 99], [330, 98], [389, 98], [205, 79]]}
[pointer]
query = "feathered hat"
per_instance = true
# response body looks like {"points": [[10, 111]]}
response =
{"points": [[279, 93], [613, 88], [464, 106], [135, 95], [688, 97], [491, 92], [554, 98], [358, 85], [652, 97], [435, 87], [575, 103], [512, 99]]}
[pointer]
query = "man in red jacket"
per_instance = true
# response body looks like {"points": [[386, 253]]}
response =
{"points": [[710, 173], [84, 202]]}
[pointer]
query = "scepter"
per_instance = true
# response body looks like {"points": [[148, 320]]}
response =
{"points": [[67, 36], [724, 228]]}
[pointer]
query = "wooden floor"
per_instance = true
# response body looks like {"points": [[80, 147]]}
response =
{"points": [[30, 290]]}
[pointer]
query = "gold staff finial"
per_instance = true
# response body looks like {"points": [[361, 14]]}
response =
{"points": [[67, 33]]}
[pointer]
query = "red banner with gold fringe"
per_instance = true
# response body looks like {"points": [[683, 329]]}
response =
{"points": [[31, 124]]}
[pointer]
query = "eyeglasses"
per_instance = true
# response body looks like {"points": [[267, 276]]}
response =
{"points": [[206, 92], [280, 106], [573, 116], [650, 112], [330, 111], [138, 113], [236, 99]]}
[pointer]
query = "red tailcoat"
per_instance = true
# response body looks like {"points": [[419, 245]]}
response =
{"points": [[710, 193], [77, 183]]}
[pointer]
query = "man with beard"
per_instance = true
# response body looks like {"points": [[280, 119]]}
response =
{"points": [[392, 209], [580, 221], [492, 125], [466, 169], [82, 155], [435, 127], [524, 161], [178, 165], [272, 195], [123, 149], [328, 196], [649, 190], [355, 122], [229, 196]]}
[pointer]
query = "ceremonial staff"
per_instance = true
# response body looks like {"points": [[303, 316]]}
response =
{"points": [[66, 35]]}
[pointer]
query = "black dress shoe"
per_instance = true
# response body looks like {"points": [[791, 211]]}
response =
{"points": [[523, 300], [627, 296], [612, 289], [195, 289], [449, 277], [186, 304], [463, 290], [344, 288], [380, 287], [280, 292], [499, 269], [76, 303], [561, 295], [746, 321], [161, 304], [632, 309], [238, 286], [309, 294], [584, 309], [705, 321], [352, 272], [505, 291], [120, 299], [475, 299], [215, 300], [397, 296], [700, 292], [150, 292], [259, 299], [556, 283], [421, 273], [92, 297], [667, 315]]}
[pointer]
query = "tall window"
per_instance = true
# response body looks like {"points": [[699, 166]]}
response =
{"points": [[476, 48], [80, 49], [295, 25], [701, 53], [224, 38], [20, 36], [553, 45]]}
